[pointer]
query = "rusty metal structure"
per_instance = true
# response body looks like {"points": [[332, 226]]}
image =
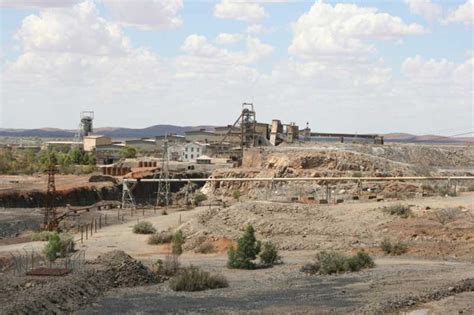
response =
{"points": [[50, 222], [247, 123], [163, 195]]}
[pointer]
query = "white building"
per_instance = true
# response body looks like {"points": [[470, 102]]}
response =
{"points": [[193, 150]]}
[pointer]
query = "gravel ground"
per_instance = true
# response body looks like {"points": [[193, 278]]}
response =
{"points": [[394, 283]]}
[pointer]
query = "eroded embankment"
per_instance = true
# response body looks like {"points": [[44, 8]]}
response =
{"points": [[81, 196]]}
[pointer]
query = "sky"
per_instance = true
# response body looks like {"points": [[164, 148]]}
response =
{"points": [[341, 66]]}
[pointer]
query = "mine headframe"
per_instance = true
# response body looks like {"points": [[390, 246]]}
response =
{"points": [[248, 125]]}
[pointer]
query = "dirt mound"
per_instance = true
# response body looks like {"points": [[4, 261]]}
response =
{"points": [[124, 271], [289, 226], [27, 295]]}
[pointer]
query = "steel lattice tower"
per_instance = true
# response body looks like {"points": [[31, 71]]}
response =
{"points": [[49, 209], [163, 194]]}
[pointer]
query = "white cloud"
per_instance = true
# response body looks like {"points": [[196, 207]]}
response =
{"points": [[439, 72], [462, 14], [345, 29], [255, 29], [146, 14], [430, 11], [72, 30], [228, 38], [198, 46], [37, 4], [239, 10]]}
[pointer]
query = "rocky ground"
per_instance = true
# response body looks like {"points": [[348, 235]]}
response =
{"points": [[394, 284], [34, 295], [437, 227]]}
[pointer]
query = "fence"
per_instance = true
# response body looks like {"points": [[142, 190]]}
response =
{"points": [[30, 261]]}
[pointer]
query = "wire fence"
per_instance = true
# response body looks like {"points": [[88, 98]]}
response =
{"points": [[27, 261]]}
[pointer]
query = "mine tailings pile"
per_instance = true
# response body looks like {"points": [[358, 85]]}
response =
{"points": [[66, 294]]}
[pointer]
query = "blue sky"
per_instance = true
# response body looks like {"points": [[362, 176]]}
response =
{"points": [[353, 66]]}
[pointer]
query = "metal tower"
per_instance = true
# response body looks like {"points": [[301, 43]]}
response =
{"points": [[127, 197], [49, 222], [163, 195], [86, 127], [248, 125]]}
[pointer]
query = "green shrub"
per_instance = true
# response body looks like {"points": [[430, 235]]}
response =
{"points": [[246, 252], [269, 255], [58, 246], [144, 227], [236, 194], [198, 198], [359, 261], [393, 248], [333, 262], [399, 248], [52, 250], [177, 243], [400, 210], [162, 237], [167, 267], [386, 246], [195, 279], [205, 248]]}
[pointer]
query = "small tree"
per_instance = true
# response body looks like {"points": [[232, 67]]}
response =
{"points": [[236, 195], [128, 152], [269, 255], [53, 249], [177, 243], [246, 252]]}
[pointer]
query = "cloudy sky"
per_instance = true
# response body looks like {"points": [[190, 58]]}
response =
{"points": [[350, 66]]}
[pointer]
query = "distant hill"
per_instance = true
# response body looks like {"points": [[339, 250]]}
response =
{"points": [[159, 130], [114, 132], [409, 138]]}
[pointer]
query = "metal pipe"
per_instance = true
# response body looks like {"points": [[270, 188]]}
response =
{"points": [[295, 179]]}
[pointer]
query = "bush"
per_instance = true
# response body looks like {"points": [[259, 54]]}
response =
{"points": [[269, 255], [333, 262], [198, 198], [205, 248], [386, 246], [177, 243], [144, 227], [395, 249], [400, 210], [399, 248], [162, 237], [168, 267], [58, 246], [236, 194], [359, 261], [195, 279], [42, 236], [246, 252]]}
